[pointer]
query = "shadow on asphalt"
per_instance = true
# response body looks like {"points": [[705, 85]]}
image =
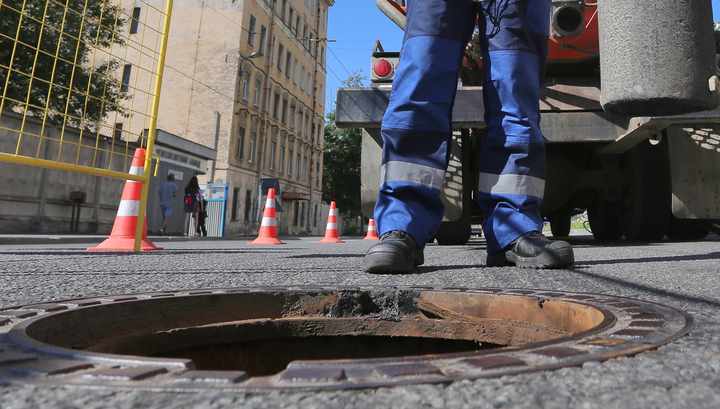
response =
{"points": [[432, 269], [212, 251], [648, 289], [174, 272], [328, 256], [689, 257]]}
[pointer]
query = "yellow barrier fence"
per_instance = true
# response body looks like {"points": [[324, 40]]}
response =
{"points": [[80, 85]]}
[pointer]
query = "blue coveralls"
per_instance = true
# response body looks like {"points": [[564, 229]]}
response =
{"points": [[416, 128]]}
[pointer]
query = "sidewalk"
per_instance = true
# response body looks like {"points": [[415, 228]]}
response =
{"points": [[80, 238]]}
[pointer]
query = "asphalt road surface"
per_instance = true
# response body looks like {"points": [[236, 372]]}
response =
{"points": [[684, 374]]}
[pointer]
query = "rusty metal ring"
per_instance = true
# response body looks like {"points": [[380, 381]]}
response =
{"points": [[67, 342]]}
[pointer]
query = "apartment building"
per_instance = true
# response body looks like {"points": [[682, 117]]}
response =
{"points": [[247, 78]]}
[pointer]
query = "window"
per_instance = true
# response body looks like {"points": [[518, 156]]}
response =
{"points": [[263, 34], [304, 36], [253, 143], [296, 29], [273, 150], [245, 86], [302, 214], [248, 205], [258, 90], [280, 55], [290, 163], [317, 172], [288, 64], [322, 56], [276, 106], [125, 85], [305, 165], [297, 213], [302, 78], [316, 216], [283, 4], [234, 212], [282, 158], [117, 130], [297, 165], [291, 18], [251, 31], [240, 153], [284, 111], [135, 21]]}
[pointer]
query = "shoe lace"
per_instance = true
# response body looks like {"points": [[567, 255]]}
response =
{"points": [[536, 235], [395, 234]]}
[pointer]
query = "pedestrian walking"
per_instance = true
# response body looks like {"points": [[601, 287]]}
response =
{"points": [[202, 217], [166, 193], [416, 131], [191, 201]]}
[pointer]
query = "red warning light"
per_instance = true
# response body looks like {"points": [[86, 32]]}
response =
{"points": [[382, 68]]}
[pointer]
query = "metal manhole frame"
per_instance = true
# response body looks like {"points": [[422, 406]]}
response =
{"points": [[630, 326]]}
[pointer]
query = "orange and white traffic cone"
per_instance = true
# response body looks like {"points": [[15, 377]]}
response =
{"points": [[268, 228], [122, 237], [331, 231], [372, 231]]}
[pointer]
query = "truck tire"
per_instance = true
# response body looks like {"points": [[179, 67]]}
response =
{"points": [[687, 229], [647, 190], [656, 57], [453, 233], [605, 220], [560, 224]]}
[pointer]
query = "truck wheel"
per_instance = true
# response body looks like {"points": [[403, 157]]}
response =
{"points": [[647, 189], [453, 233], [560, 224], [685, 229], [605, 220]]}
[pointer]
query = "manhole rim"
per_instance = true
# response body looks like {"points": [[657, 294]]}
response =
{"points": [[19, 338]]}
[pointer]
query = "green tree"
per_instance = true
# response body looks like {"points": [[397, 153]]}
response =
{"points": [[341, 161], [48, 29]]}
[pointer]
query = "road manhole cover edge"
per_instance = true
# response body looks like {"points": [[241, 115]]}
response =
{"points": [[636, 326]]}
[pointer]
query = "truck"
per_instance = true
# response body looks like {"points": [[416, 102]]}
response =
{"points": [[629, 113]]}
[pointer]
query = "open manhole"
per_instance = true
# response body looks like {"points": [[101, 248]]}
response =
{"points": [[321, 338]]}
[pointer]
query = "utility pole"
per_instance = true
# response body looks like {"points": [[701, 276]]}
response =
{"points": [[215, 146], [316, 40]]}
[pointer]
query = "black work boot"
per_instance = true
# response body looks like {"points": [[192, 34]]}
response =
{"points": [[396, 252], [533, 250]]}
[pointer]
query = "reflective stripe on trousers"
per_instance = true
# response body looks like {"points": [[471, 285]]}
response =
{"points": [[416, 126]]}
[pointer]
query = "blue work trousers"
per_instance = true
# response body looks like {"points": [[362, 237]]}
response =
{"points": [[416, 128]]}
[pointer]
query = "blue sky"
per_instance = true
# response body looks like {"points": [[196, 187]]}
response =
{"points": [[355, 25]]}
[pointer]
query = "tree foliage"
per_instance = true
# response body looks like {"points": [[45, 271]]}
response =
{"points": [[341, 160], [47, 29]]}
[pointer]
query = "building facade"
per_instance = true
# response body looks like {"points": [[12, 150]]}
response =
{"points": [[246, 78]]}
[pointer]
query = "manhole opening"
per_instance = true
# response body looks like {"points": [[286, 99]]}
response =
{"points": [[262, 332], [268, 357]]}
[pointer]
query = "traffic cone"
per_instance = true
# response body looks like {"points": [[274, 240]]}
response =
{"points": [[268, 228], [372, 232], [331, 232], [122, 237]]}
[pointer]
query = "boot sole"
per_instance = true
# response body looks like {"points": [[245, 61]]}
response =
{"points": [[387, 263], [541, 261]]}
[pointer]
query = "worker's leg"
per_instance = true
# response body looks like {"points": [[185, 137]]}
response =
{"points": [[512, 157], [416, 126]]}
